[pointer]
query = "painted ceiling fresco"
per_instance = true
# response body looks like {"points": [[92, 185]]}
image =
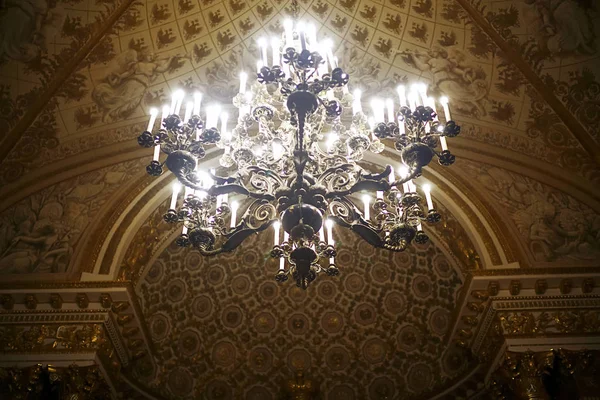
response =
{"points": [[77, 78]]}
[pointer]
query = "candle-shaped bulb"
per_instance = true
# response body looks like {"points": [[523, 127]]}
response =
{"points": [[180, 95], [262, 43], [443, 143], [275, 51], [379, 194], [402, 95], [356, 102], [427, 190], [197, 102], [259, 65], [403, 174], [329, 226], [176, 190], [189, 107], [444, 103], [288, 28], [366, 201], [282, 264], [184, 230], [322, 234], [389, 105], [153, 114], [276, 228], [243, 81], [391, 176], [234, 208]]}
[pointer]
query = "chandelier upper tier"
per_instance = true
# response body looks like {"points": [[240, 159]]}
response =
{"points": [[295, 154]]}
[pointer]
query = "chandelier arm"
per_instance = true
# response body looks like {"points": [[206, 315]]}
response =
{"points": [[235, 238], [362, 185], [361, 227]]}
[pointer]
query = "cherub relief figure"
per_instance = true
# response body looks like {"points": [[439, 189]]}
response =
{"points": [[454, 76], [24, 25], [123, 89], [555, 225], [40, 242], [564, 25]]}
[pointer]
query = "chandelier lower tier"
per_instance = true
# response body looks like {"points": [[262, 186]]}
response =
{"points": [[295, 158]]}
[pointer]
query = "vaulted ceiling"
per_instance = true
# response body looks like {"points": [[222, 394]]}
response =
{"points": [[77, 78]]}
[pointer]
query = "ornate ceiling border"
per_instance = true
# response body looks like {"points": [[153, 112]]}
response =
{"points": [[68, 319]]}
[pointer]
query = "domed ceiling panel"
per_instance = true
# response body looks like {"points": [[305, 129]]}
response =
{"points": [[157, 46], [378, 327], [40, 233], [554, 226]]}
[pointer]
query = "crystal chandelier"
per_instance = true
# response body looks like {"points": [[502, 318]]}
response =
{"points": [[296, 158]]}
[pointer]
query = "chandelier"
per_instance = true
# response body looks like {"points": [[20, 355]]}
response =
{"points": [[295, 153]]}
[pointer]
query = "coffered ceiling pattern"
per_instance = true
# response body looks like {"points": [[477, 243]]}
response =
{"points": [[224, 326]]}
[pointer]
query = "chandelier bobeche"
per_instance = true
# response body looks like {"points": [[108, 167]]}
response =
{"points": [[296, 161]]}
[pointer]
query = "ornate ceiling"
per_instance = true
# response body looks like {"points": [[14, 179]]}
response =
{"points": [[79, 216]]}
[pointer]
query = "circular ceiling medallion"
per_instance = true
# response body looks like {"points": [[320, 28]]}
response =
{"points": [[232, 316], [442, 266], [365, 249], [337, 358], [297, 294], [382, 388], [422, 286], [341, 392], [354, 283], [180, 382], [332, 322], [453, 360], [251, 258], [395, 303], [264, 322], [439, 321], [409, 338], [326, 289], [268, 290], [189, 342], [240, 284], [202, 306], [299, 359], [218, 390], [365, 314], [402, 260], [375, 350], [160, 326], [258, 393], [215, 275], [223, 353], [155, 272], [176, 290], [380, 272], [193, 260], [260, 360], [419, 377], [298, 324], [344, 257]]}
